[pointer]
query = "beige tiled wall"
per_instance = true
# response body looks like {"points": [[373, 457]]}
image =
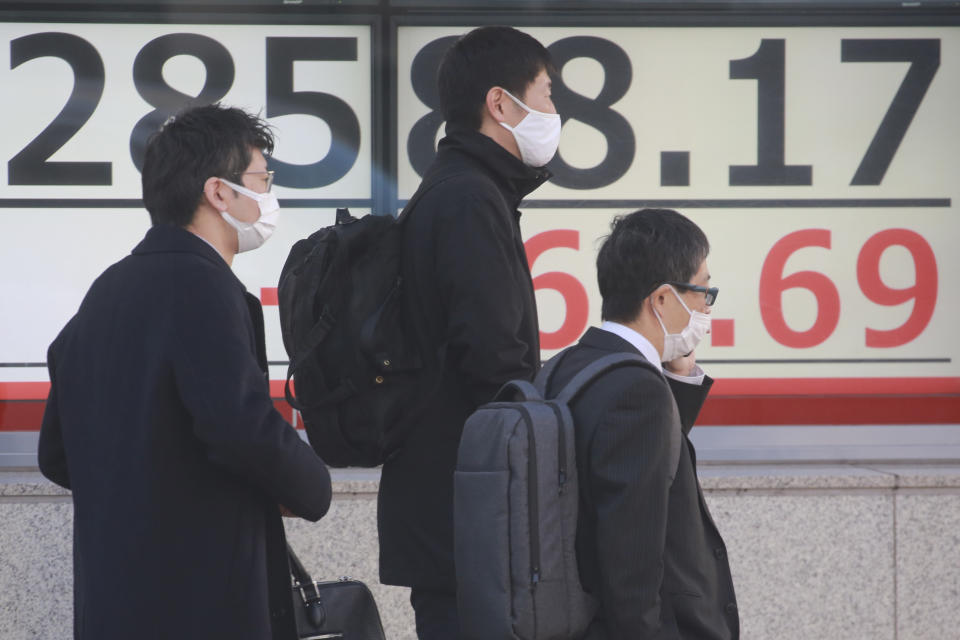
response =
{"points": [[841, 552]]}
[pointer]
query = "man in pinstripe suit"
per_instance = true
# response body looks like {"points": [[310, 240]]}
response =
{"points": [[646, 544]]}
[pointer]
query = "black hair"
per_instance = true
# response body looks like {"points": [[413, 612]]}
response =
{"points": [[487, 57], [199, 143], [645, 249]]}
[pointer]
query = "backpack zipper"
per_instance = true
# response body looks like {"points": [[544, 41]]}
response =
{"points": [[533, 502], [561, 451]]}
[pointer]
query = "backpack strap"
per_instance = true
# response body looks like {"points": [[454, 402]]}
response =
{"points": [[545, 375], [318, 333], [596, 369], [511, 389]]}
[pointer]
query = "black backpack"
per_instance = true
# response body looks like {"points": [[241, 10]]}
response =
{"points": [[354, 355]]}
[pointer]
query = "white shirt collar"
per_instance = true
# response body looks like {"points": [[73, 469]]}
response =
{"points": [[211, 245], [637, 340]]}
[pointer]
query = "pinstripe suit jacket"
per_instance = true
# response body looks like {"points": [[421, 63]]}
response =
{"points": [[646, 544]]}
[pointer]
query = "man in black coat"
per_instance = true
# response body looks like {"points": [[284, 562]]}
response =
{"points": [[468, 287], [646, 544], [159, 417]]}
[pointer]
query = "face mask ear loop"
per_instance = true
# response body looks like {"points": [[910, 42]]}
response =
{"points": [[656, 315], [518, 102], [253, 195], [680, 300]]}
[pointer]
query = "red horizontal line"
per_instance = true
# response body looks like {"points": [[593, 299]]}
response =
{"points": [[719, 410], [26, 415], [829, 410], [834, 386], [802, 401], [21, 416], [24, 390], [268, 296], [40, 390], [723, 387]]}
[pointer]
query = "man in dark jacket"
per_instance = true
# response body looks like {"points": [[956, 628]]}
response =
{"points": [[159, 417], [646, 544], [469, 289]]}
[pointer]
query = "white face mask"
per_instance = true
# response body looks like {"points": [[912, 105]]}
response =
{"points": [[676, 345], [251, 236], [537, 135]]}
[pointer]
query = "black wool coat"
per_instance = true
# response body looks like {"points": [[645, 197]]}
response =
{"points": [[159, 420], [468, 289], [646, 544]]}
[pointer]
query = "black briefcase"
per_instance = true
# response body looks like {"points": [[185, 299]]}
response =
{"points": [[341, 608]]}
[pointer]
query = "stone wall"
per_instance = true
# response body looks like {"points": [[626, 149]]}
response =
{"points": [[845, 552]]}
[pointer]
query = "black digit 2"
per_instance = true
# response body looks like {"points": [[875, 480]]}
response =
{"points": [[148, 79], [766, 66], [595, 112], [924, 59], [282, 100], [31, 166], [421, 141]]}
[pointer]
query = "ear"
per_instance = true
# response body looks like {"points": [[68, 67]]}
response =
{"points": [[494, 104], [212, 194], [659, 297]]}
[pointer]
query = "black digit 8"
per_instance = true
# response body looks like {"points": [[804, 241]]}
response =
{"points": [[595, 112], [421, 142], [150, 84]]}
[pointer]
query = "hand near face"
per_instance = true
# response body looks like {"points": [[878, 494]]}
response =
{"points": [[682, 366]]}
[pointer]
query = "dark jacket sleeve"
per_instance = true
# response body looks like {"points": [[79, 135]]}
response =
{"points": [[223, 389], [480, 284], [51, 454], [690, 399], [633, 460]]}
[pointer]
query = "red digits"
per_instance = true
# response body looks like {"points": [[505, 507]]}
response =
{"points": [[773, 284], [574, 295], [923, 291]]}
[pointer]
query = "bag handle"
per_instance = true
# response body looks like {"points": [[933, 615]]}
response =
{"points": [[597, 368], [313, 605], [300, 573]]}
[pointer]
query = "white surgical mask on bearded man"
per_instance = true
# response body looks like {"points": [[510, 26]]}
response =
{"points": [[537, 135], [253, 235], [676, 345]]}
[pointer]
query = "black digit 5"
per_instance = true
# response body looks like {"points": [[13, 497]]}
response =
{"points": [[924, 59], [148, 79], [596, 112], [283, 100], [421, 142], [30, 166], [766, 66]]}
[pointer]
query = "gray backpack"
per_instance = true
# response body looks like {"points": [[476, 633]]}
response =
{"points": [[515, 512]]}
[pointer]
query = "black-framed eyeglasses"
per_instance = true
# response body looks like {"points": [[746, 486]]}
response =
{"points": [[710, 292], [268, 174]]}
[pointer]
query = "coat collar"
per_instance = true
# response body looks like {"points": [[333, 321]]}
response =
{"points": [[605, 341], [515, 178], [165, 238], [638, 340], [597, 338]]}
